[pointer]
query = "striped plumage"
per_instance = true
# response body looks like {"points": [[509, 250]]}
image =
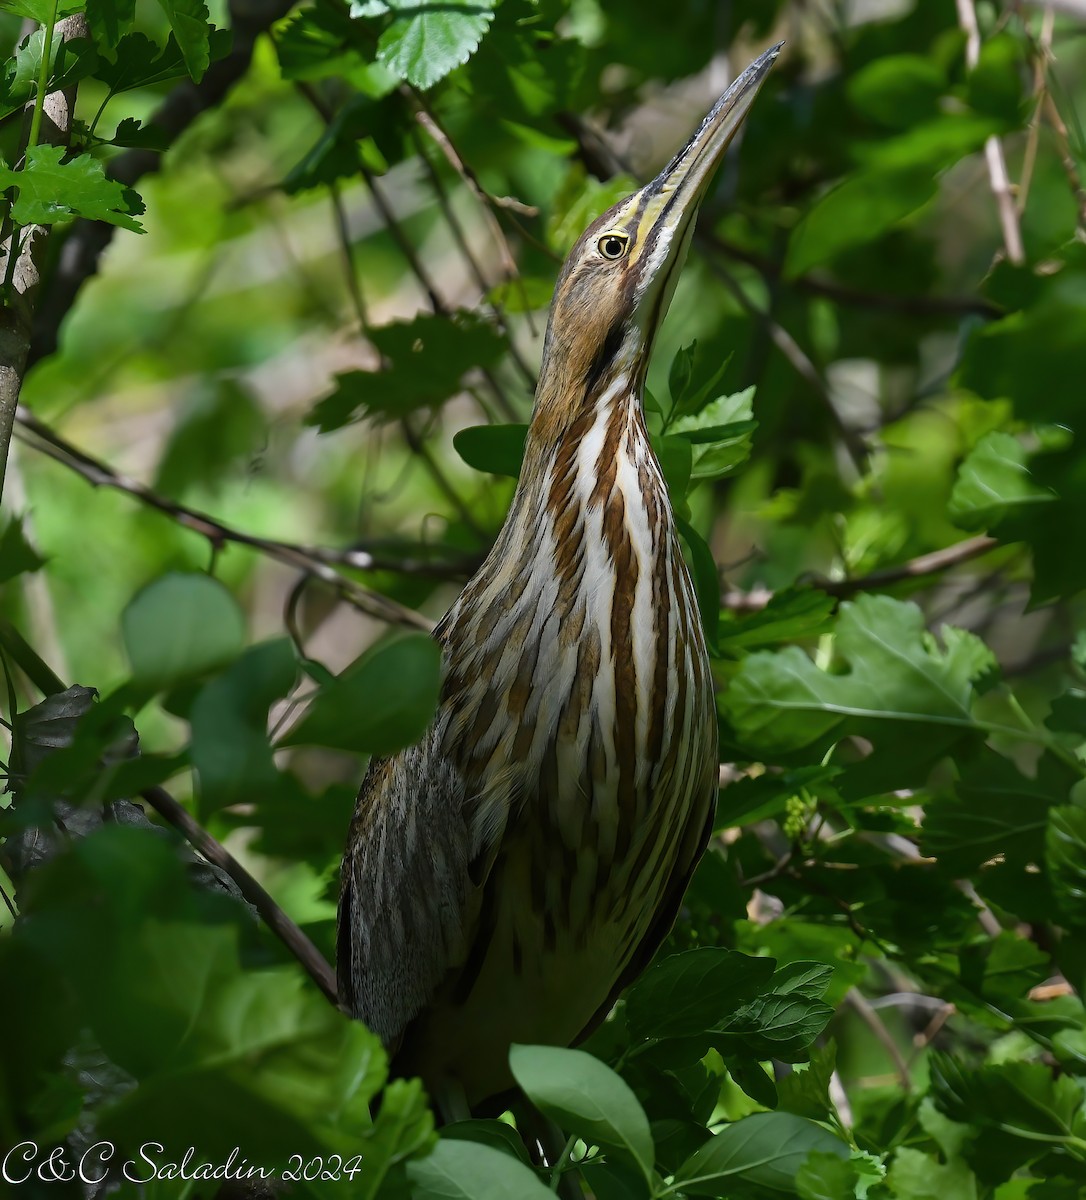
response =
{"points": [[505, 878]]}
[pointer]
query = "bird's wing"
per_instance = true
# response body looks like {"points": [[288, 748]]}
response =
{"points": [[408, 900]]}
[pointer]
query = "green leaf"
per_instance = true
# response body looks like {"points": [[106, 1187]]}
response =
{"points": [[856, 212], [425, 41], [383, 701], [994, 84], [180, 627], [585, 1097], [109, 19], [720, 434], [898, 90], [790, 615], [995, 810], [498, 449], [827, 1176], [914, 1175], [428, 355], [694, 377], [230, 747], [1065, 854], [256, 1056], [139, 62], [706, 579], [493, 1133], [364, 131], [17, 555], [133, 133], [190, 23], [993, 479], [1021, 1100], [41, 10], [805, 1091], [896, 673], [51, 190], [457, 1170], [685, 994], [404, 1128], [766, 1149], [784, 1021], [676, 458], [1068, 713]]}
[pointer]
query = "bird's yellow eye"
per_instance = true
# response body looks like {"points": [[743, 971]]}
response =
{"points": [[613, 245]]}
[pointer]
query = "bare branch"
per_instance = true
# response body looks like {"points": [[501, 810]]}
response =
{"points": [[913, 568], [1073, 8], [860, 1005], [998, 178], [311, 561], [315, 964]]}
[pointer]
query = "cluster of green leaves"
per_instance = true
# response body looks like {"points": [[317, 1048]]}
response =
{"points": [[903, 849], [55, 183]]}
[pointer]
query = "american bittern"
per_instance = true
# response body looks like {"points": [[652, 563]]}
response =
{"points": [[509, 875]]}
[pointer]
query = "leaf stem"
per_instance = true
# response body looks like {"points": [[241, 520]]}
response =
{"points": [[561, 1164], [43, 80]]}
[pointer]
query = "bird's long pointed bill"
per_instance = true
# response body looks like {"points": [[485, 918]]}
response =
{"points": [[681, 184]]}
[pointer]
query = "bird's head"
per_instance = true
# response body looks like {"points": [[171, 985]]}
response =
{"points": [[616, 284]]}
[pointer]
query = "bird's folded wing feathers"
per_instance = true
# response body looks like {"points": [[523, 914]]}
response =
{"points": [[408, 902]]}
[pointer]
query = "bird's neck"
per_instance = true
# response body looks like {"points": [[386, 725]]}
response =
{"points": [[580, 441]]}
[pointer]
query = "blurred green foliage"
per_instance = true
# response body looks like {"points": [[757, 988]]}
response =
{"points": [[318, 318]]}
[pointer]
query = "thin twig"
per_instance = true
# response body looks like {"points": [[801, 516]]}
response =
{"points": [[403, 244], [1043, 52], [801, 363], [998, 179], [914, 568], [474, 266], [858, 1003], [444, 142], [415, 444], [310, 560], [842, 293], [315, 964], [1073, 8]]}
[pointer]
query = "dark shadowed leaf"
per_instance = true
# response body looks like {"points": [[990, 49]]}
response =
{"points": [[379, 704], [766, 1149], [706, 579], [230, 747], [687, 993], [427, 359], [856, 211], [17, 555], [1065, 852], [790, 615], [498, 449]]}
